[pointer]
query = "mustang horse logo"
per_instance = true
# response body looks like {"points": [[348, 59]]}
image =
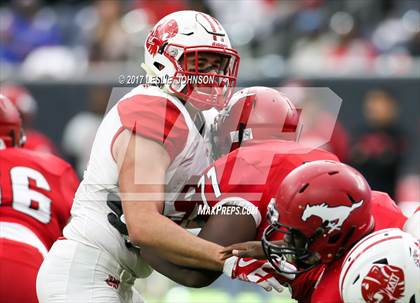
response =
{"points": [[335, 216]]}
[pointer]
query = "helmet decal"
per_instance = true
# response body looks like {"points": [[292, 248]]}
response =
{"points": [[160, 34], [383, 283], [380, 268], [334, 217]]}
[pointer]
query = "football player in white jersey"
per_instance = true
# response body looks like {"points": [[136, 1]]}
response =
{"points": [[146, 148], [382, 267]]}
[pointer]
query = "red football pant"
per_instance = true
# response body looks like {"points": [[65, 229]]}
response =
{"points": [[19, 264]]}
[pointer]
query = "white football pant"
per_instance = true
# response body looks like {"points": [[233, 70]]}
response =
{"points": [[73, 272]]}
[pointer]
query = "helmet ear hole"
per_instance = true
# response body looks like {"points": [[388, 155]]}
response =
{"points": [[158, 65], [357, 278], [351, 198], [303, 188], [333, 173], [381, 261]]}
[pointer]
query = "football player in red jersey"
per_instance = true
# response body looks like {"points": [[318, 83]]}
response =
{"points": [[258, 128], [37, 191], [320, 211], [27, 107], [339, 202]]}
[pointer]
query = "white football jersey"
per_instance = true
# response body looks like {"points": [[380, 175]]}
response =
{"points": [[147, 111]]}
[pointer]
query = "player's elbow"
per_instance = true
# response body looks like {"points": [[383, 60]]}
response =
{"points": [[135, 239], [143, 234], [140, 238], [140, 235]]}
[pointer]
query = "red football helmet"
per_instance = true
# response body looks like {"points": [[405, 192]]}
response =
{"points": [[322, 208], [21, 98], [11, 133], [255, 113]]}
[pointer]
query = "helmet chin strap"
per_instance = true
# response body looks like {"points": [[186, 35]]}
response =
{"points": [[149, 71]]}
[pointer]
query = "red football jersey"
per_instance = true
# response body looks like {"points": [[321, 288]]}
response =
{"points": [[250, 176], [247, 177], [321, 284], [37, 191]]}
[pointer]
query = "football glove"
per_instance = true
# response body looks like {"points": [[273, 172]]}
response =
{"points": [[256, 271]]}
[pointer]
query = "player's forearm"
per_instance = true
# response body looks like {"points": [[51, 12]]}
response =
{"points": [[190, 277], [176, 244]]}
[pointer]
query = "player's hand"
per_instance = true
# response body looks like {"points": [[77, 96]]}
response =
{"points": [[116, 218], [250, 249], [259, 272]]}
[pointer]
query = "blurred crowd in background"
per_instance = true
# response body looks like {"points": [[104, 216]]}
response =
{"points": [[64, 39], [45, 43]]}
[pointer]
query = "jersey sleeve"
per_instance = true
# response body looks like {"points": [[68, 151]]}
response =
{"points": [[235, 183], [155, 118], [222, 184], [327, 286], [386, 212], [68, 186], [302, 287]]}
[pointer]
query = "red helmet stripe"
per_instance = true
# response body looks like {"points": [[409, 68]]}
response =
{"points": [[213, 28], [217, 22], [245, 114]]}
